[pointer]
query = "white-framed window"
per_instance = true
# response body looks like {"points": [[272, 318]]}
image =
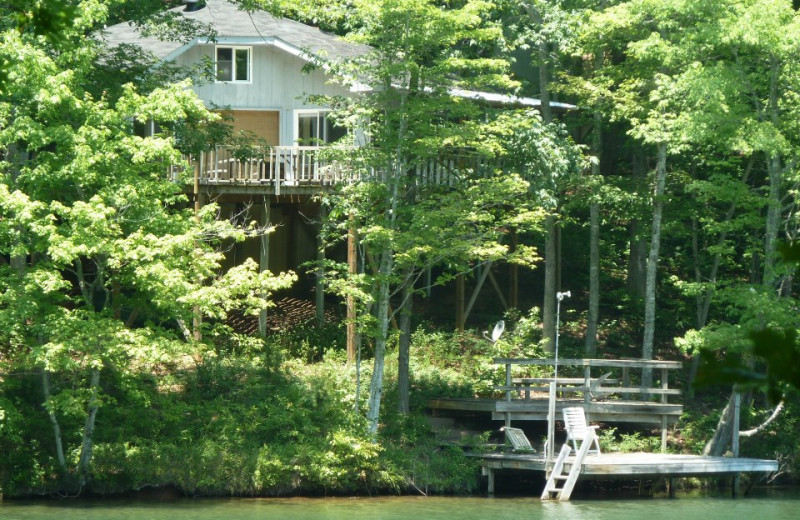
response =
{"points": [[233, 64], [315, 128]]}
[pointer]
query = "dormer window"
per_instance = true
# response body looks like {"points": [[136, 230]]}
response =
{"points": [[233, 64]]}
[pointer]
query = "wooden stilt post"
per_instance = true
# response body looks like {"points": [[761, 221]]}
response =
{"points": [[352, 269], [491, 483], [263, 258], [320, 285], [508, 393], [460, 303], [481, 280]]}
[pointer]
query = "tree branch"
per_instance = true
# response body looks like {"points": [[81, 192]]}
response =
{"points": [[762, 426]]}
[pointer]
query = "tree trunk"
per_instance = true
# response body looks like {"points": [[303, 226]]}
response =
{"points": [[62, 463], [652, 262], [775, 179], [773, 220], [551, 235], [638, 247], [590, 347], [376, 383], [722, 435], [550, 275], [404, 347], [88, 429]]}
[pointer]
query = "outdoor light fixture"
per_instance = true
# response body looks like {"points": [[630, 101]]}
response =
{"points": [[559, 296]]}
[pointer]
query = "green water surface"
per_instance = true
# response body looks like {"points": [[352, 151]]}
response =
{"points": [[766, 506]]}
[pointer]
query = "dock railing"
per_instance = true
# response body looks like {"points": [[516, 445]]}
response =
{"points": [[601, 378]]}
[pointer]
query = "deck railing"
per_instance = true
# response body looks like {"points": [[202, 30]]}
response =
{"points": [[615, 378], [290, 166]]}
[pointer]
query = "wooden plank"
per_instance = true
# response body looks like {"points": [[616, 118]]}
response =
{"points": [[631, 363], [561, 380], [523, 405], [631, 418], [635, 390]]}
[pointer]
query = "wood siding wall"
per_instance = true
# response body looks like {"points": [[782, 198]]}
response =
{"points": [[278, 83]]}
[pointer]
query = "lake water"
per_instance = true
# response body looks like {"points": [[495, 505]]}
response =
{"points": [[764, 506]]}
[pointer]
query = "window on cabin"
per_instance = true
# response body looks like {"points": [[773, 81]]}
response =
{"points": [[315, 128], [233, 64]]}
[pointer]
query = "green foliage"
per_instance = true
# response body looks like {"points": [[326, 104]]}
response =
{"points": [[613, 442], [309, 341]]}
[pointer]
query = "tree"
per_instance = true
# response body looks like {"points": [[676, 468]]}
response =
{"points": [[406, 220], [103, 258]]}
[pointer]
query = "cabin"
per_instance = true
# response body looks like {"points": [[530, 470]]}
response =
{"points": [[262, 80]]}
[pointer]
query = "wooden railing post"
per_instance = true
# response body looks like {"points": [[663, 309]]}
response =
{"points": [[587, 378], [508, 392]]}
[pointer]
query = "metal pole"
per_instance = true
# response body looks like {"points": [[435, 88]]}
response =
{"points": [[559, 296]]}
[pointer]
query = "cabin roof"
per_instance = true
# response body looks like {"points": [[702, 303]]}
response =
{"points": [[234, 26]]}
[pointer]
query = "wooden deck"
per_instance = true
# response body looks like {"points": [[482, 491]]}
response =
{"points": [[536, 409], [621, 466], [636, 465]]}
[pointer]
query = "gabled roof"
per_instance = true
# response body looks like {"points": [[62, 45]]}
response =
{"points": [[233, 26]]}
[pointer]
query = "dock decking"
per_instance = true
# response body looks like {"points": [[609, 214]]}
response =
{"points": [[637, 465], [630, 465]]}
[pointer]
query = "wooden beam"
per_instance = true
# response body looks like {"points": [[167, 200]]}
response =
{"points": [[320, 284], [478, 288], [631, 363], [460, 318], [498, 291]]}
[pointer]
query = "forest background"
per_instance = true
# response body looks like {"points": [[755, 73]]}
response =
{"points": [[668, 218]]}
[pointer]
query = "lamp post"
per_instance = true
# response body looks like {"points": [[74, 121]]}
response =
{"points": [[559, 296]]}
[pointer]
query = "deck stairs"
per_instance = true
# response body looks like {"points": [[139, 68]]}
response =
{"points": [[560, 484]]}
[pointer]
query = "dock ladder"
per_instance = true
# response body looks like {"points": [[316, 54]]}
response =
{"points": [[560, 485]]}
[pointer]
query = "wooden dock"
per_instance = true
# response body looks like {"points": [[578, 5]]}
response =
{"points": [[631, 465], [604, 398], [636, 465]]}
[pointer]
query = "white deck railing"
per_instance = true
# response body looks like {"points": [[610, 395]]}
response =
{"points": [[292, 166]]}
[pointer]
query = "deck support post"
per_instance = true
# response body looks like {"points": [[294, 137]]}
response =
{"points": [[460, 318], [737, 406], [508, 393], [320, 286], [551, 423], [263, 259], [490, 481], [671, 487]]}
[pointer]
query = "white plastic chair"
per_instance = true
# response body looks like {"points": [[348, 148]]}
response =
{"points": [[577, 429]]}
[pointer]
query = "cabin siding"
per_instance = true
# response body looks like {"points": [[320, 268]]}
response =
{"points": [[278, 83]]}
